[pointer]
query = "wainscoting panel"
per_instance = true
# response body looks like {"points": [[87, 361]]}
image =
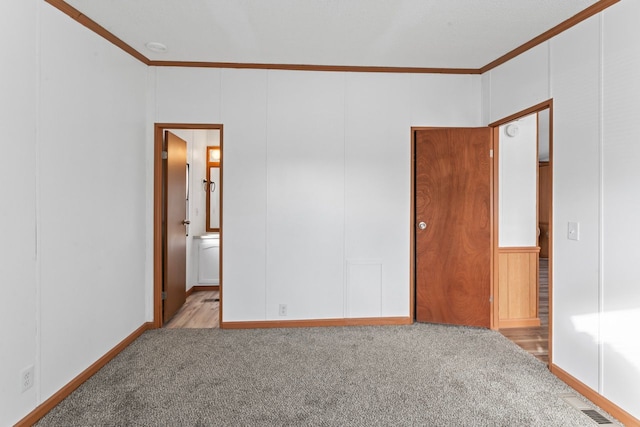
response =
{"points": [[518, 287]]}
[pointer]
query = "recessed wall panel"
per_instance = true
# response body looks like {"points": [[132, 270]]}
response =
{"points": [[378, 152], [621, 204], [305, 194], [575, 87], [244, 115]]}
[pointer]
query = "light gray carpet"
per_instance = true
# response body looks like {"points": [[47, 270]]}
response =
{"points": [[418, 375]]}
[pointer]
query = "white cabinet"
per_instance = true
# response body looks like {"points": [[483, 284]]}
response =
{"points": [[209, 260]]}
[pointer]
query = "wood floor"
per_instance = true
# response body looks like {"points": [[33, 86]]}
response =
{"points": [[201, 310], [536, 339]]}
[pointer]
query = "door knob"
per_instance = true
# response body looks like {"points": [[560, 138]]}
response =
{"points": [[422, 225]]}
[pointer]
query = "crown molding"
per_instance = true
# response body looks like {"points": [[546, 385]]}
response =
{"points": [[84, 20]]}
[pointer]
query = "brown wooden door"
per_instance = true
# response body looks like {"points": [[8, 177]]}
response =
{"points": [[453, 252], [175, 214]]}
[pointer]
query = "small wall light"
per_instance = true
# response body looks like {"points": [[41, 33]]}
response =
{"points": [[214, 155]]}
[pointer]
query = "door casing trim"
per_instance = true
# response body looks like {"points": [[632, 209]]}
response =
{"points": [[548, 104], [159, 128]]}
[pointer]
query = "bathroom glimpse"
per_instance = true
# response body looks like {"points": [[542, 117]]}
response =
{"points": [[204, 157]]}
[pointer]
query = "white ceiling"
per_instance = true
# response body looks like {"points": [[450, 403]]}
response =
{"points": [[393, 33]]}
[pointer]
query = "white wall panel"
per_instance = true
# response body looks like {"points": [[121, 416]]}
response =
{"points": [[91, 198], [18, 316], [364, 289], [244, 115], [520, 83], [621, 197], [575, 57], [188, 95], [445, 100], [150, 119], [518, 184], [378, 180], [305, 185], [485, 93]]}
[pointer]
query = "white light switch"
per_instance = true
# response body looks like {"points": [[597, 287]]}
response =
{"points": [[573, 231]]}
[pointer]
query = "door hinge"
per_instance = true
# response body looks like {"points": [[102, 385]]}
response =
{"points": [[165, 155], [491, 298], [491, 153], [164, 296]]}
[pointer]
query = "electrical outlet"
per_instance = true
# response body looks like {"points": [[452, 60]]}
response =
{"points": [[282, 310], [27, 378]]}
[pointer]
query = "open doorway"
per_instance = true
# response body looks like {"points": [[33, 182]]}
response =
{"points": [[187, 244], [523, 224]]}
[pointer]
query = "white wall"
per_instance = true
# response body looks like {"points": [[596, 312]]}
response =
{"points": [[305, 187], [316, 181], [377, 191], [244, 225], [18, 275], [517, 84], [74, 238], [620, 298], [91, 204], [518, 184], [576, 123], [591, 72]]}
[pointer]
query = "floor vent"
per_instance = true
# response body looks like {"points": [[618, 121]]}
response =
{"points": [[596, 416], [211, 300], [585, 408]]}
